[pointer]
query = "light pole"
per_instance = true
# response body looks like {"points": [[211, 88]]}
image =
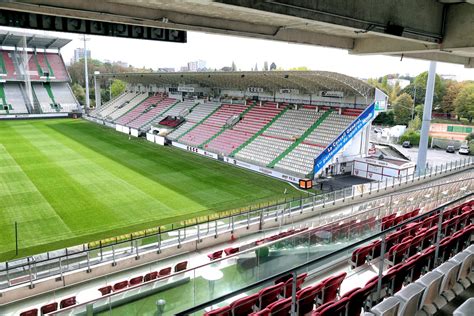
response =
{"points": [[86, 75], [414, 103]]}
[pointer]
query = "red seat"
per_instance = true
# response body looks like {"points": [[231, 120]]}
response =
{"points": [[31, 312], [215, 255], [263, 312], [120, 285], [269, 295], [336, 308], [136, 280], [223, 311], [281, 307], [49, 308], [399, 253], [151, 276], [181, 266], [287, 289], [70, 301], [164, 272], [356, 299], [230, 251], [105, 290], [244, 306], [331, 287], [306, 298], [361, 255], [283, 278]]}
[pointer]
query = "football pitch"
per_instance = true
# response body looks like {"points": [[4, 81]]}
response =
{"points": [[67, 182]]}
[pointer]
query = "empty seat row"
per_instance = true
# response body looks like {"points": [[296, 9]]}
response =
{"points": [[140, 279], [51, 307]]}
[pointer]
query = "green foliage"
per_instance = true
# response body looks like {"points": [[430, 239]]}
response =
{"points": [[471, 147], [419, 110], [420, 82], [300, 68], [470, 137], [385, 119], [79, 93], [402, 109], [464, 102], [451, 93], [415, 124], [413, 137], [117, 87]]}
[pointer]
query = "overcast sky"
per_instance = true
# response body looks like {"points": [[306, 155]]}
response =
{"points": [[219, 51]]}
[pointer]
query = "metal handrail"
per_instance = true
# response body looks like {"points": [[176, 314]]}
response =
{"points": [[320, 259]]}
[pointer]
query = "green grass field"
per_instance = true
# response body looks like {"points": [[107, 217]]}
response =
{"points": [[67, 182]]}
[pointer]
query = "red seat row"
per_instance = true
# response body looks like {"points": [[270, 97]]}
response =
{"points": [[140, 279], [51, 307], [414, 237]]}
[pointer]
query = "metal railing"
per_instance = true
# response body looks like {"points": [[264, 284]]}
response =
{"points": [[34, 268], [304, 252]]}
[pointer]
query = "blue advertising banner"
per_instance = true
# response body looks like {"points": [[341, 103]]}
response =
{"points": [[343, 138]]}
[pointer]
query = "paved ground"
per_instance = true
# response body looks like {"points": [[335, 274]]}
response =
{"points": [[434, 157]]}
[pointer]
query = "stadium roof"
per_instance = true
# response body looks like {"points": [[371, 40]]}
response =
{"points": [[12, 39], [304, 81]]}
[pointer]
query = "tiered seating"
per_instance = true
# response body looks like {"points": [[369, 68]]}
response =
{"points": [[180, 109], [14, 97], [140, 109], [152, 113], [212, 124], [250, 124], [300, 160], [63, 95], [106, 109], [57, 64], [9, 66], [43, 98], [279, 136], [42, 63], [33, 67], [197, 114], [121, 110], [51, 307]]}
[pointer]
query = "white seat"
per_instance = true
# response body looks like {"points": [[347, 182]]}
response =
{"points": [[466, 260], [409, 298], [388, 307], [466, 308], [450, 271], [431, 282]]}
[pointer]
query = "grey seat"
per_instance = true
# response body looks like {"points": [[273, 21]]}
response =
{"points": [[466, 259], [409, 298], [388, 307], [465, 309], [450, 271], [431, 282]]}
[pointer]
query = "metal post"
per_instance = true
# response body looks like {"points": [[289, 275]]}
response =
{"points": [[113, 256], [159, 240], [136, 247], [16, 238], [438, 238], [423, 146], [381, 263], [88, 263], [86, 75], [293, 294]]}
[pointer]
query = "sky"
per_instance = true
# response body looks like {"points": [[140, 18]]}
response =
{"points": [[221, 50]]}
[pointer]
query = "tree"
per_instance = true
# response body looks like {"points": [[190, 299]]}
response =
{"points": [[402, 109], [385, 119], [300, 68], [415, 124], [464, 102], [452, 91], [234, 67], [265, 66], [79, 93], [420, 83], [117, 87]]}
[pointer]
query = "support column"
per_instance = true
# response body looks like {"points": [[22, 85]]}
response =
{"points": [[98, 98], [425, 127]]}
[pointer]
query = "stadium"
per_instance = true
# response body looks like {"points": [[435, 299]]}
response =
{"points": [[215, 192]]}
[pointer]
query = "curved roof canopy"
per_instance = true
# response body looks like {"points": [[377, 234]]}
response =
{"points": [[305, 82], [12, 39]]}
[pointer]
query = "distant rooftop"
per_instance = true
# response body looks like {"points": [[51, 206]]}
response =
{"points": [[12, 39]]}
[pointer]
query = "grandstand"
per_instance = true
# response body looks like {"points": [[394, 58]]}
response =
{"points": [[277, 133], [40, 70]]}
